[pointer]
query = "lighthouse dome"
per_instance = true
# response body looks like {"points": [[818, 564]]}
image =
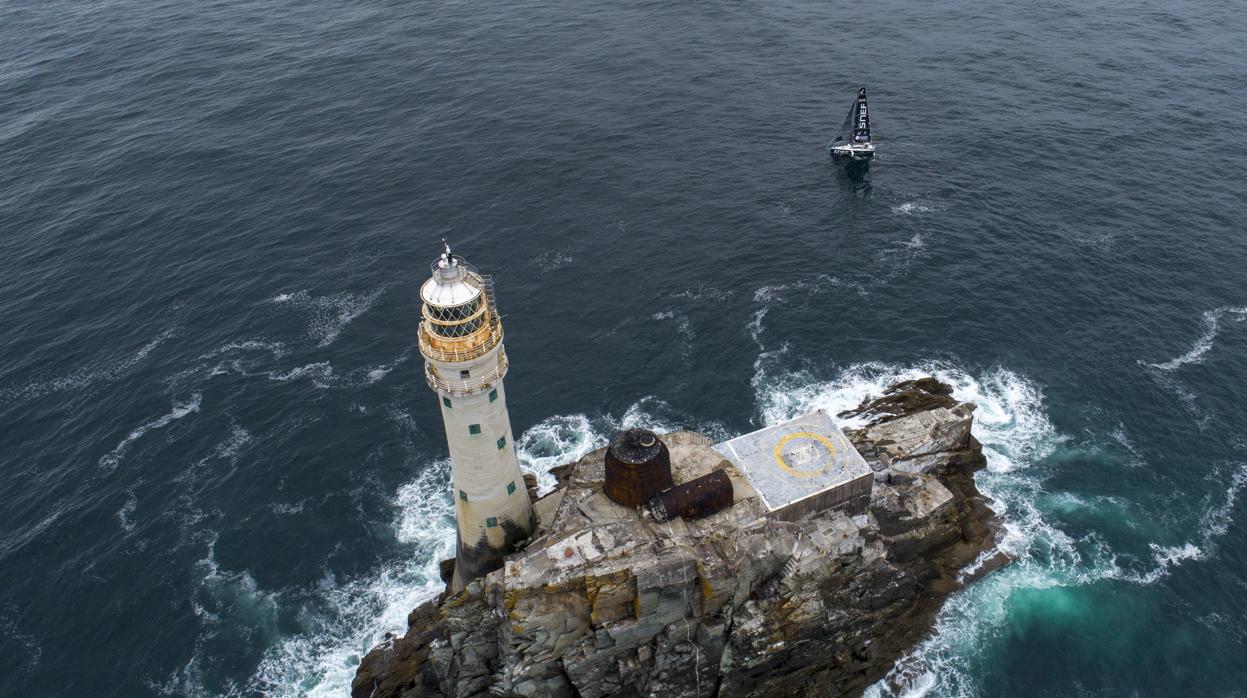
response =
{"points": [[452, 284], [457, 305]]}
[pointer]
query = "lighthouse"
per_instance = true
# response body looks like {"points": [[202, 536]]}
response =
{"points": [[465, 363]]}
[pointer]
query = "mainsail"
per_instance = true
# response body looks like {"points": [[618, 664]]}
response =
{"points": [[861, 124], [856, 126]]}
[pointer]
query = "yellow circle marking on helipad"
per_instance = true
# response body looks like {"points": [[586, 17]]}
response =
{"points": [[779, 452]]}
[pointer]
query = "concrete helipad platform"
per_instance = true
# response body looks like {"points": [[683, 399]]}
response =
{"points": [[802, 466]]}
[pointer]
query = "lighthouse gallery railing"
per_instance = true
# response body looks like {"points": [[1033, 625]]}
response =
{"points": [[436, 382], [492, 334]]}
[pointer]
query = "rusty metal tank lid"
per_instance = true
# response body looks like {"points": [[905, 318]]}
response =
{"points": [[635, 446]]}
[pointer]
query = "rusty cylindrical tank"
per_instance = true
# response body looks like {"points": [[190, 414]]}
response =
{"points": [[638, 466], [702, 496]]}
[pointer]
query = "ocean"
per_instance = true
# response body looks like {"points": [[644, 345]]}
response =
{"points": [[222, 474]]}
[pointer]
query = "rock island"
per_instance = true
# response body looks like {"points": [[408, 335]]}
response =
{"points": [[798, 560]]}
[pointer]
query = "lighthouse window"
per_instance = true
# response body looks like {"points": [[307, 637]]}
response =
{"points": [[456, 320], [446, 402], [460, 330], [464, 375], [493, 395], [455, 313], [463, 495], [511, 487], [491, 522], [502, 442], [474, 428]]}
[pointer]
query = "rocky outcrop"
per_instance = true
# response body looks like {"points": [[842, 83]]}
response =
{"points": [[606, 603]]}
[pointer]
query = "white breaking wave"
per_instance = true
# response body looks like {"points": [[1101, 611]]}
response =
{"points": [[554, 441], [1164, 557], [321, 662], [1212, 323], [640, 416], [180, 410], [1164, 372], [426, 512], [1214, 523], [1009, 416], [755, 325]]}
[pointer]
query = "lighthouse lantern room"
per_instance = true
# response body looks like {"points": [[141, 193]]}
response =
{"points": [[465, 363]]}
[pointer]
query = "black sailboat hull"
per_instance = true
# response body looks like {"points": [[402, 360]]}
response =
{"points": [[851, 152]]}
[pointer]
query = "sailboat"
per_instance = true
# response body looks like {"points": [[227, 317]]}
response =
{"points": [[854, 137]]}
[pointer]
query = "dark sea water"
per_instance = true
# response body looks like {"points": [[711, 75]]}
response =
{"points": [[221, 473]]}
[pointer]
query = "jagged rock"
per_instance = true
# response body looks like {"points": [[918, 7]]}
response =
{"points": [[603, 602], [906, 397], [530, 484]]}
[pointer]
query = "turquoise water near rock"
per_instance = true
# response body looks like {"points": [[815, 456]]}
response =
{"points": [[221, 473]]}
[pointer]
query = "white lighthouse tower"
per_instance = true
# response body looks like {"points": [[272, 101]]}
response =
{"points": [[465, 362]]}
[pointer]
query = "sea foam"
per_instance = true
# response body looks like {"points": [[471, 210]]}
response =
{"points": [[915, 207], [1212, 325], [110, 460], [87, 375], [327, 316]]}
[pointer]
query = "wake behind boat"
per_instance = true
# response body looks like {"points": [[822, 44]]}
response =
{"points": [[854, 137]]}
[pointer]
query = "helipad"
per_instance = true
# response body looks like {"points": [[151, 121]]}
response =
{"points": [[802, 466]]}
